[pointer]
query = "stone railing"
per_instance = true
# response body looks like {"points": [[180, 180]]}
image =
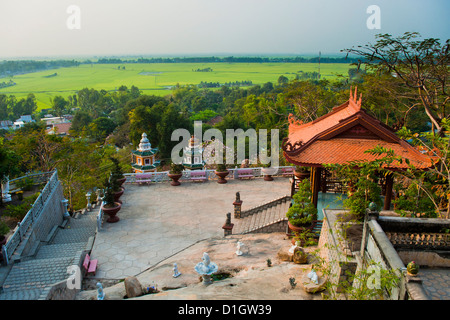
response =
{"points": [[265, 206], [210, 174], [31, 217], [36, 178], [430, 241]]}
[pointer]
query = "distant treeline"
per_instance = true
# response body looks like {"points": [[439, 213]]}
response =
{"points": [[226, 84], [229, 60], [10, 68]]}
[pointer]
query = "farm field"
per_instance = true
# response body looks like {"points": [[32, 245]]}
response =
{"points": [[157, 78]]}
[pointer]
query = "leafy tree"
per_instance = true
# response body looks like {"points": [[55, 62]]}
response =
{"points": [[59, 105], [421, 65], [101, 127]]}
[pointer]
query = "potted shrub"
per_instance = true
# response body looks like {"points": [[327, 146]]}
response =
{"points": [[302, 214], [117, 172], [117, 190], [110, 206], [221, 172], [267, 172], [412, 268], [301, 172], [175, 173]]}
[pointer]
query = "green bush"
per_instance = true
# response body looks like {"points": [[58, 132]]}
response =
{"points": [[302, 211], [4, 229], [413, 201], [18, 212], [26, 184]]}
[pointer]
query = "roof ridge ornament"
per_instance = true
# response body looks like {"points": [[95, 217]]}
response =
{"points": [[352, 100]]}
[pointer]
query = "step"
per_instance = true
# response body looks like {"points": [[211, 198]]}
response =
{"points": [[72, 235], [30, 294], [60, 250], [37, 273]]}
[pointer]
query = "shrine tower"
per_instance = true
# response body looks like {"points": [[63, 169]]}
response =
{"points": [[193, 159], [143, 159]]}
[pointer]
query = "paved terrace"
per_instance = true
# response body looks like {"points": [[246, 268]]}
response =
{"points": [[159, 220]]}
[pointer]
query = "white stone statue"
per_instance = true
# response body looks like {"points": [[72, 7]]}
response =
{"points": [[292, 249], [175, 271], [6, 197], [100, 293], [313, 276], [238, 248]]}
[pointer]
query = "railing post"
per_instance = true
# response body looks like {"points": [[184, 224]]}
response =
{"points": [[237, 206], [228, 226]]}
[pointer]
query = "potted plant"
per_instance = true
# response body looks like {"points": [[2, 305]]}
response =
{"points": [[110, 206], [301, 172], [302, 214], [175, 173], [267, 172], [412, 268], [117, 190], [221, 172], [117, 172]]}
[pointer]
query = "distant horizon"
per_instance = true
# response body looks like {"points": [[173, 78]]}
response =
{"points": [[180, 55]]}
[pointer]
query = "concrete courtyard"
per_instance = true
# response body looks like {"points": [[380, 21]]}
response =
{"points": [[159, 220]]}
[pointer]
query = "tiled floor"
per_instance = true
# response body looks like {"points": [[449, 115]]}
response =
{"points": [[160, 220]]}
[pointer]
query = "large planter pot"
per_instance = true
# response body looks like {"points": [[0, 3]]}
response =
{"points": [[175, 177], [299, 229], [301, 175], [118, 194], [121, 181], [112, 212], [267, 176], [222, 175]]}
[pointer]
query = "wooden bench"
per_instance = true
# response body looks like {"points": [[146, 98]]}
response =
{"points": [[198, 175], [287, 171], [144, 178], [245, 173], [90, 265]]}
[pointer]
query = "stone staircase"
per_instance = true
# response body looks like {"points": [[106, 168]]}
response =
{"points": [[269, 217], [27, 278]]}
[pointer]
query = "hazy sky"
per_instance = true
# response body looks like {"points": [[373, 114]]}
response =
{"points": [[32, 28]]}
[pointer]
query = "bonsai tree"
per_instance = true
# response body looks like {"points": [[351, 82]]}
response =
{"points": [[221, 167], [302, 212], [176, 168], [109, 193], [117, 171]]}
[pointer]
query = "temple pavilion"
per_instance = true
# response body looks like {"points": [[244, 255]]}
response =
{"points": [[342, 136], [143, 159], [193, 159]]}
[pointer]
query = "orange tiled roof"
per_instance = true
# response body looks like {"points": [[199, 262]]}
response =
{"points": [[343, 150], [342, 136]]}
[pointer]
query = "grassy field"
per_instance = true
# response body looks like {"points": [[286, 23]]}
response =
{"points": [[154, 79]]}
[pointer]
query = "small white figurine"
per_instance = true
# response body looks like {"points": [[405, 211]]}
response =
{"points": [[100, 293], [292, 249], [313, 276], [238, 248], [175, 271]]}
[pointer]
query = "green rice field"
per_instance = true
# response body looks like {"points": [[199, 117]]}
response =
{"points": [[155, 78]]}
